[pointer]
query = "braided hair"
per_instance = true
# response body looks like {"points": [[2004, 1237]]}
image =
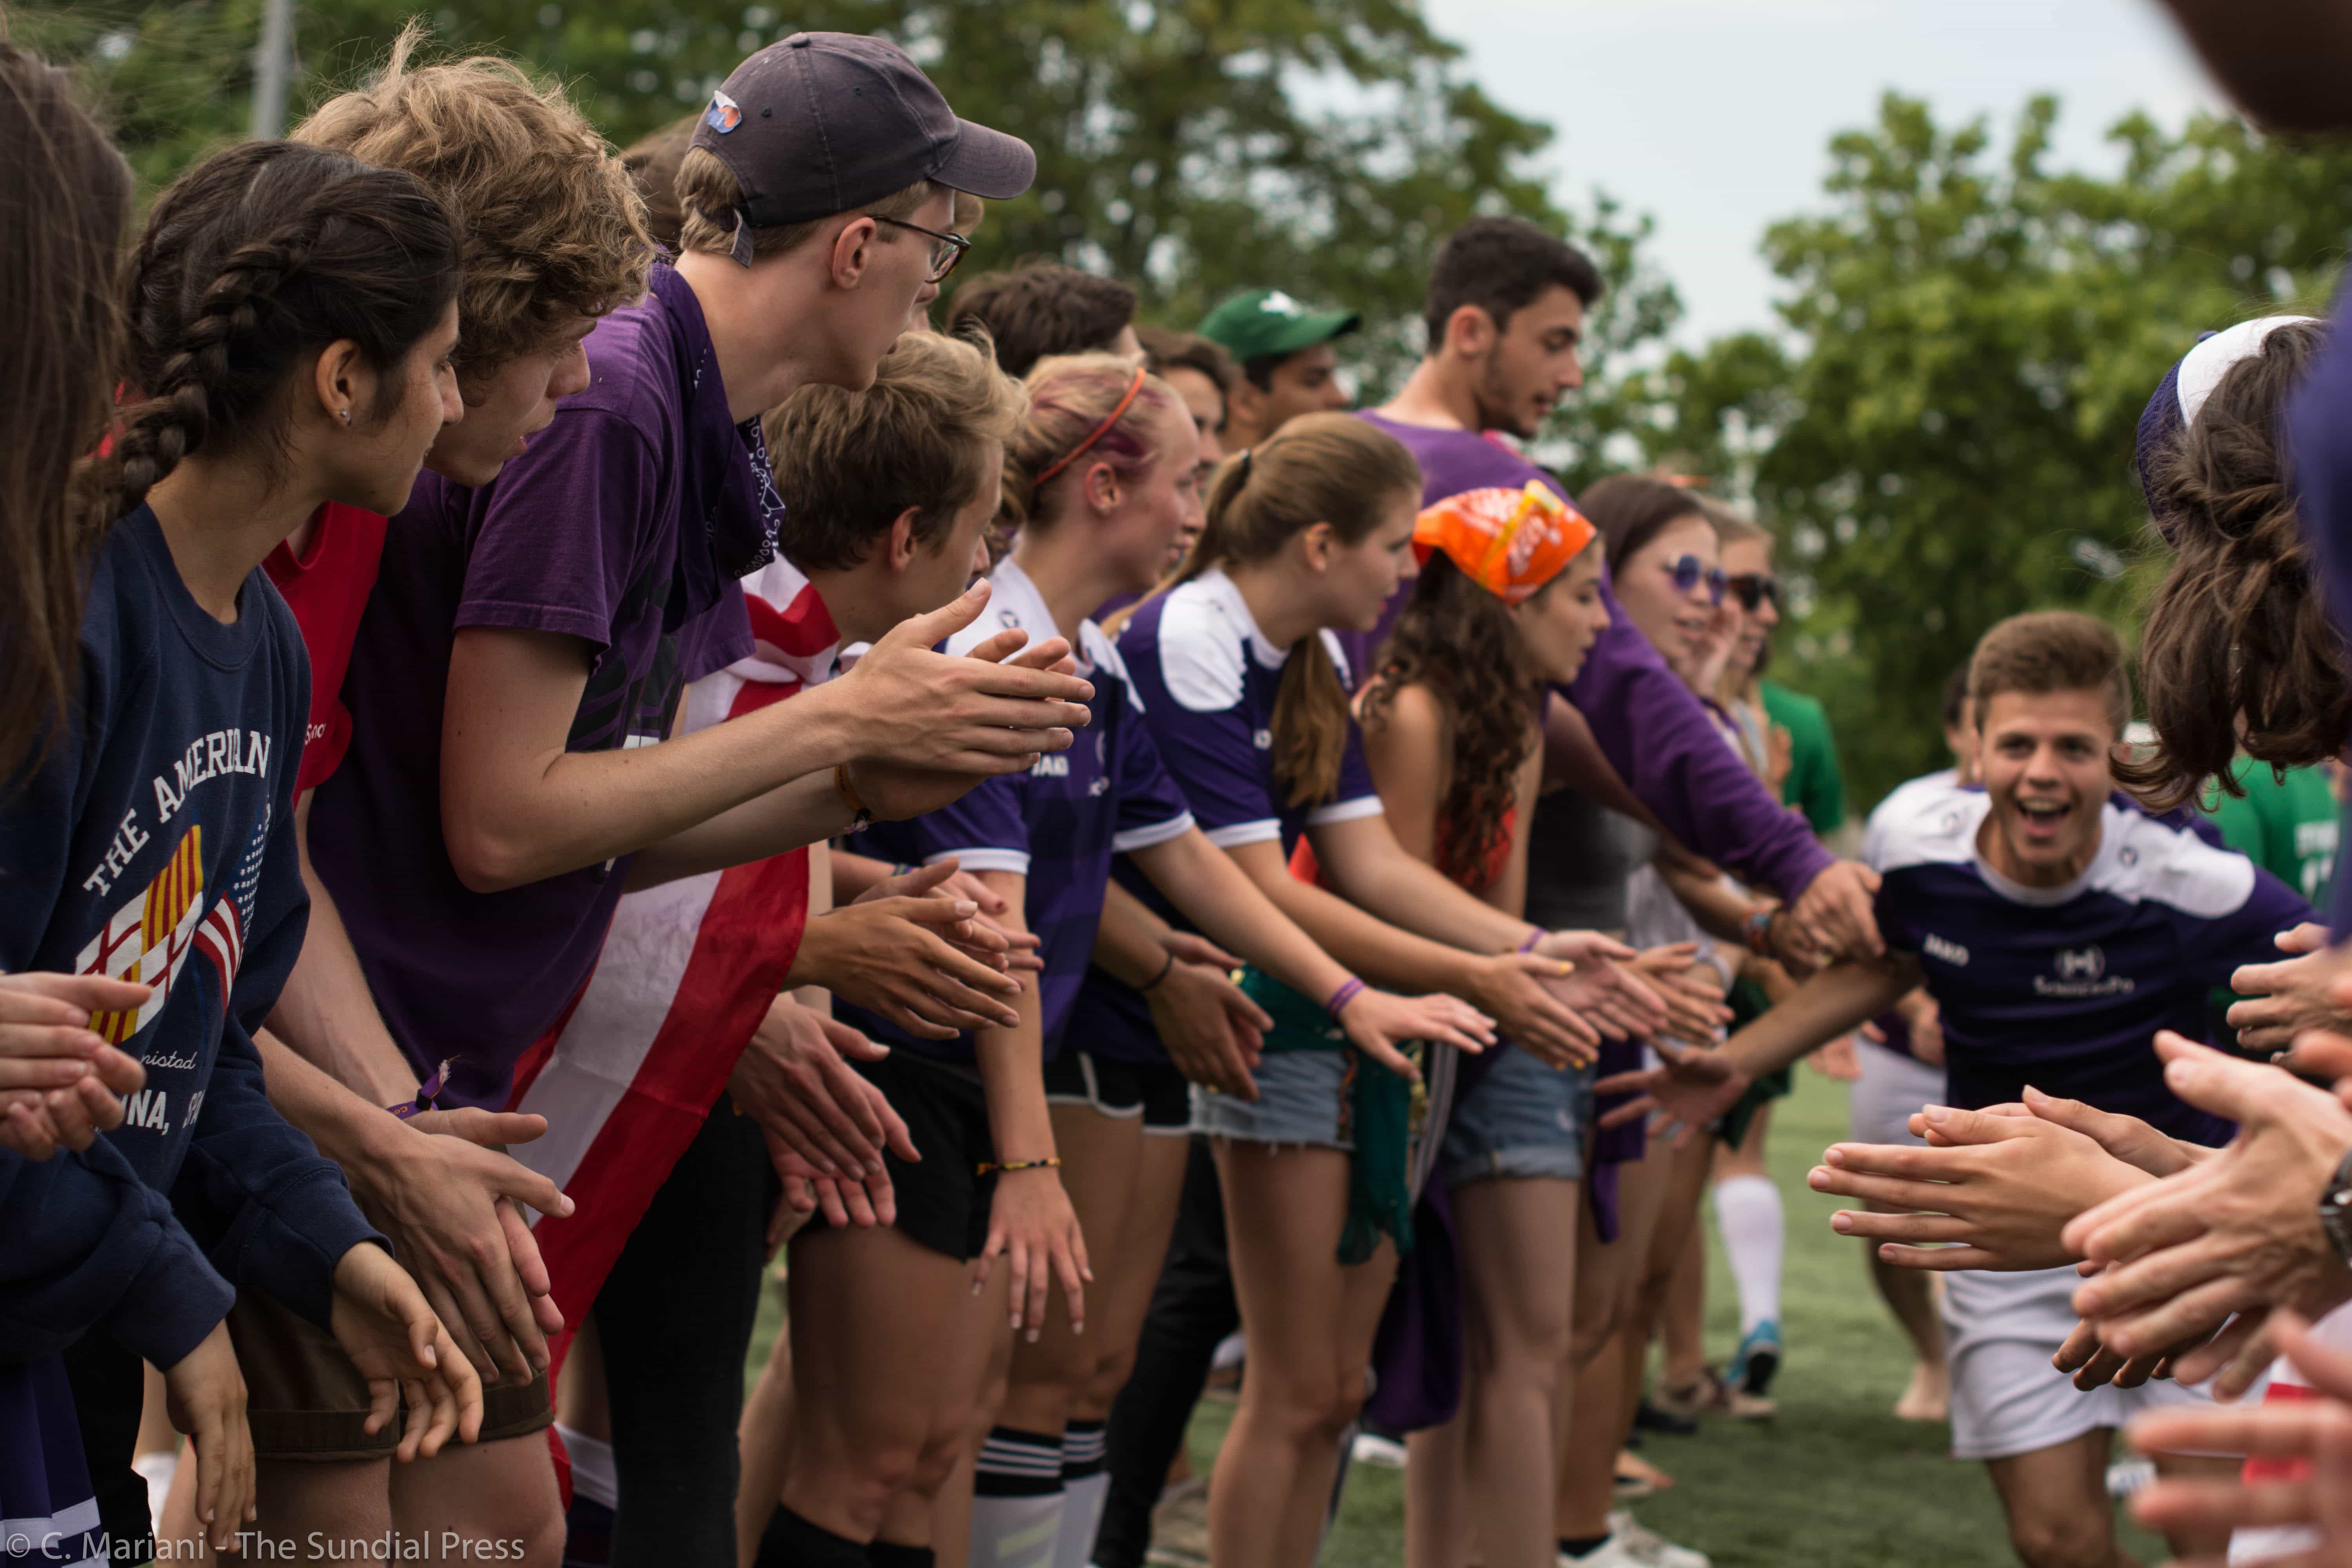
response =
{"points": [[2237, 649], [254, 260]]}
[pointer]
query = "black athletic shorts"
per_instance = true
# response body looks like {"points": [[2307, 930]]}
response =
{"points": [[1109, 1086], [942, 1199]]}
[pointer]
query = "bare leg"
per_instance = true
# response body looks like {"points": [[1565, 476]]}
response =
{"points": [[1607, 1292], [1520, 1287], [1309, 1323], [889, 1348], [1910, 1295], [485, 1492], [763, 1436], [2056, 1500], [1100, 1158], [1120, 1297], [342, 1501], [1681, 1327]]}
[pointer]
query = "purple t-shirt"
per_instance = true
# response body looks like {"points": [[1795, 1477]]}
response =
{"points": [[1058, 825], [1655, 733], [623, 525]]}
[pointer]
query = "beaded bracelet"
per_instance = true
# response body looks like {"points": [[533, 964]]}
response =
{"points": [[1350, 989], [1756, 929], [1048, 1164]]}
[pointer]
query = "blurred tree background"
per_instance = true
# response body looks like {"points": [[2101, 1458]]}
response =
{"points": [[1940, 426], [1942, 435]]}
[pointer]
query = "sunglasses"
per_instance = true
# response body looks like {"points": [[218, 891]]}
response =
{"points": [[1753, 588], [947, 250], [1689, 570]]}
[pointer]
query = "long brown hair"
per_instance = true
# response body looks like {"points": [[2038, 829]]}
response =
{"points": [[256, 255], [65, 199], [2237, 633], [1318, 468], [1459, 641]]}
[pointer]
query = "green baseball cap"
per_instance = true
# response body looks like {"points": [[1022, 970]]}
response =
{"points": [[1257, 322]]}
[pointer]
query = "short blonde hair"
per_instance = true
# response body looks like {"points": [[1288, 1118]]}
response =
{"points": [[847, 463], [553, 227], [707, 194]]}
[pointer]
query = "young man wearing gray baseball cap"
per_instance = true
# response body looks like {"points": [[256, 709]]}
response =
{"points": [[537, 633]]}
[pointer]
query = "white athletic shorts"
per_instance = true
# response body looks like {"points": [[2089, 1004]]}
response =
{"points": [[2001, 1330], [1890, 1092]]}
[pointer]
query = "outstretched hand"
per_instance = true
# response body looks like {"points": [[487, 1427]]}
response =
{"points": [[2227, 1240], [1690, 1087]]}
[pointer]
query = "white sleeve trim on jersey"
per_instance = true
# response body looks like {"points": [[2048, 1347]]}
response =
{"points": [[1234, 835], [1136, 839], [1201, 653], [2172, 866], [1013, 860], [1925, 823], [1345, 811]]}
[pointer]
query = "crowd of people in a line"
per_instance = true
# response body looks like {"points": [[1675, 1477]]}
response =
{"points": [[565, 746]]}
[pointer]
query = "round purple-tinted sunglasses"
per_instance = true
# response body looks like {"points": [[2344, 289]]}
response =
{"points": [[1689, 570]]}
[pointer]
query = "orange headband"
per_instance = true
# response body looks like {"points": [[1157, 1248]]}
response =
{"points": [[1510, 542], [1100, 430]]}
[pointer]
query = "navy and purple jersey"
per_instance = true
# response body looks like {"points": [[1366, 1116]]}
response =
{"points": [[2064, 988], [1208, 677], [1058, 825]]}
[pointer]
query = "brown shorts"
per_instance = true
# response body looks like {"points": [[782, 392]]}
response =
{"points": [[305, 1400]]}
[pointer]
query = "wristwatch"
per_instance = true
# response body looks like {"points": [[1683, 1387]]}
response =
{"points": [[2336, 1210]]}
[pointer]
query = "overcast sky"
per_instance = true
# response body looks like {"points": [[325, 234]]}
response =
{"points": [[1715, 116]]}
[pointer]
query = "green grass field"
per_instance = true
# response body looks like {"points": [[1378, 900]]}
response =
{"points": [[1834, 1481]]}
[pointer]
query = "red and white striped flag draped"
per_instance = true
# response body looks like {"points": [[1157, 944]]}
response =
{"points": [[628, 1075]]}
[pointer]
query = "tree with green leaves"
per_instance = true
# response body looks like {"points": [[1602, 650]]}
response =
{"points": [[1943, 434], [1191, 147]]}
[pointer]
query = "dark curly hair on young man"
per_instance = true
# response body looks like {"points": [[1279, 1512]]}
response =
{"points": [[1456, 639], [2237, 652]]}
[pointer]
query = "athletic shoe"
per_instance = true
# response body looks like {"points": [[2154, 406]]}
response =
{"points": [[1759, 1359], [1383, 1453], [1631, 1546], [1647, 1547], [1650, 1417]]}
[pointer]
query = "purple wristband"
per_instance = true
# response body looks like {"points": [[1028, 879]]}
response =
{"points": [[1350, 989], [426, 1093], [1533, 937]]}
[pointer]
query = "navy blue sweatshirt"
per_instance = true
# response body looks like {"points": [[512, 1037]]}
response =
{"points": [[156, 843]]}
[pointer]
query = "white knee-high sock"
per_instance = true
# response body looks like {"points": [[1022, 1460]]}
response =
{"points": [[1084, 1485], [1016, 1502], [1748, 1214]]}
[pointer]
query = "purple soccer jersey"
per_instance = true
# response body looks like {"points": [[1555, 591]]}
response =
{"points": [[1059, 824], [2064, 988], [1208, 677]]}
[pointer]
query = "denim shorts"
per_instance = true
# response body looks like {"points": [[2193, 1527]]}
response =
{"points": [[1301, 1098], [1522, 1117]]}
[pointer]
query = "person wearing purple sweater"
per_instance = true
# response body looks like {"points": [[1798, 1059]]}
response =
{"points": [[1506, 315]]}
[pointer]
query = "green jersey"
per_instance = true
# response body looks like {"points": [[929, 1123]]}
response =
{"points": [[2288, 827], [1814, 785]]}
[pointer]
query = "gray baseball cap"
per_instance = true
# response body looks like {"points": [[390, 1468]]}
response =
{"points": [[822, 122]]}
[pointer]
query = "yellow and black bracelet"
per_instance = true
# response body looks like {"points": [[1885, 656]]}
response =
{"points": [[1050, 1162]]}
